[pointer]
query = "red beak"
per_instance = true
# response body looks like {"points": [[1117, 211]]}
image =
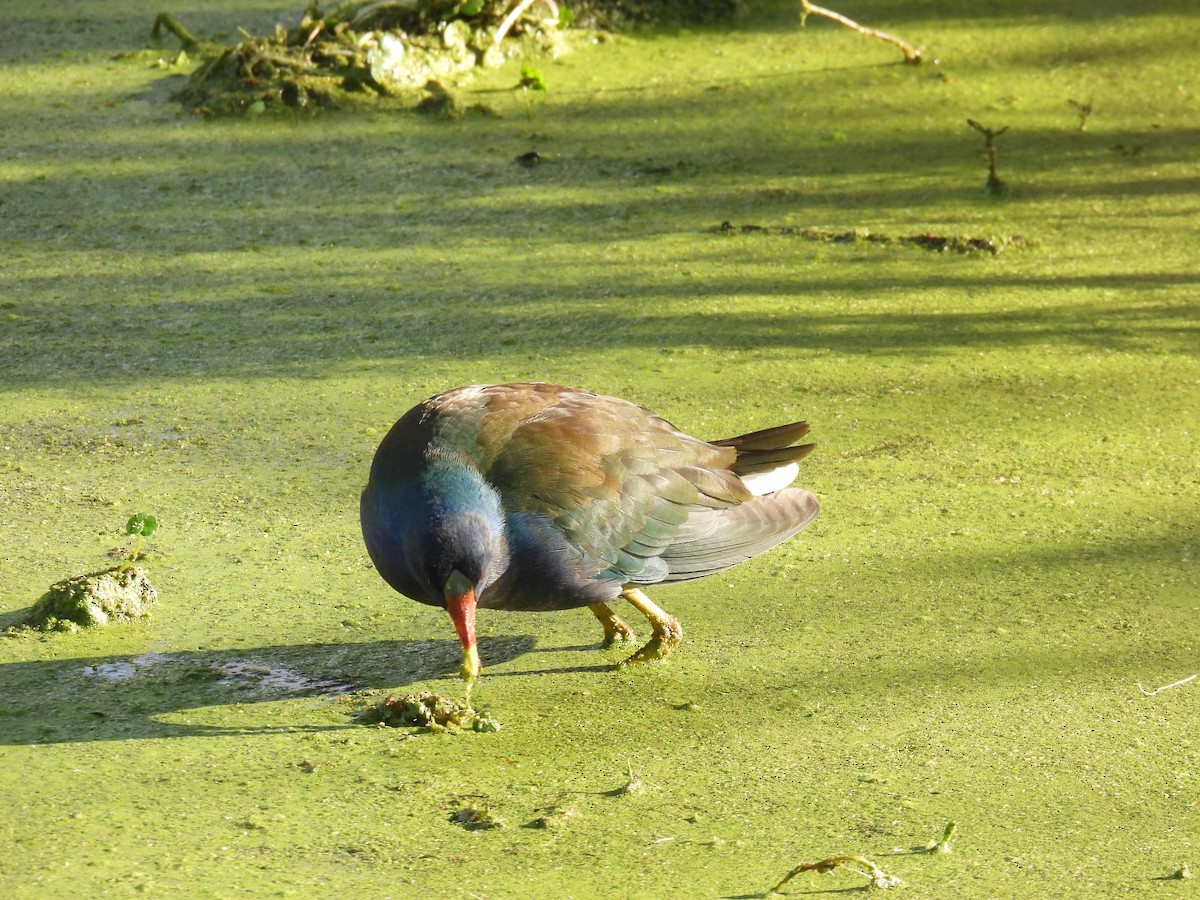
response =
{"points": [[460, 603], [462, 611]]}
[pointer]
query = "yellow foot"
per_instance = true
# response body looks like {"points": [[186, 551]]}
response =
{"points": [[615, 631], [668, 633]]}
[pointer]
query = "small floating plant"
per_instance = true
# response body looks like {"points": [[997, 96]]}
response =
{"points": [[994, 184], [95, 599], [430, 712]]}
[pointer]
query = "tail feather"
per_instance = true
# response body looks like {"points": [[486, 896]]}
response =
{"points": [[767, 438], [769, 449]]}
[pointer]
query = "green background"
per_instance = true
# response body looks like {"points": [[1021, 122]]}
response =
{"points": [[216, 322]]}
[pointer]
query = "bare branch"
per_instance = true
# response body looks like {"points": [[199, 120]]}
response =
{"points": [[515, 14], [911, 53], [1167, 687]]}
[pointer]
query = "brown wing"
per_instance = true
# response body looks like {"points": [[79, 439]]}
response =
{"points": [[615, 480], [636, 499]]}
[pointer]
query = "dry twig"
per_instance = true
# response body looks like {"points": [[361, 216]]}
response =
{"points": [[879, 878], [911, 53], [517, 12], [1167, 687], [994, 185]]}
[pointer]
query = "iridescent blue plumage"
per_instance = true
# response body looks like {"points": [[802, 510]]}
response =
{"points": [[541, 497]]}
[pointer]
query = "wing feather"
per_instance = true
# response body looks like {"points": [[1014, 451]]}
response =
{"points": [[634, 499]]}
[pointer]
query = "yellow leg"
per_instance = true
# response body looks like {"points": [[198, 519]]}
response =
{"points": [[615, 631], [668, 633]]}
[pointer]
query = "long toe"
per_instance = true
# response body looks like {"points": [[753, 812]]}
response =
{"points": [[615, 629], [668, 634]]}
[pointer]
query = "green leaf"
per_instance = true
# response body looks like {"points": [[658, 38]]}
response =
{"points": [[465, 8], [531, 79], [565, 17], [142, 524]]}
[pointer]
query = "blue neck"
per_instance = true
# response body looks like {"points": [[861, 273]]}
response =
{"points": [[420, 526]]}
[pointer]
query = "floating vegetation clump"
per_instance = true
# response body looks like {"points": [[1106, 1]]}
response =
{"points": [[430, 711], [939, 243], [362, 51], [93, 600], [554, 818], [879, 879], [477, 818]]}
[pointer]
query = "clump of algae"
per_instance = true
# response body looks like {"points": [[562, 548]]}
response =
{"points": [[93, 600], [554, 818], [431, 712], [477, 818]]}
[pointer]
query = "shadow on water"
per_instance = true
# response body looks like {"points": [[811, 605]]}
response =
{"points": [[235, 250], [193, 275], [307, 333], [152, 695], [203, 693]]}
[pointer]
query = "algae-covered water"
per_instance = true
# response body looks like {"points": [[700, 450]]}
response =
{"points": [[215, 322]]}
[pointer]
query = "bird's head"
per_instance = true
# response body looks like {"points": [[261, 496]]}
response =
{"points": [[457, 572], [436, 534], [464, 548]]}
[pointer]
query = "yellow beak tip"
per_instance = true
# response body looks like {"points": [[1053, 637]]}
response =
{"points": [[471, 666]]}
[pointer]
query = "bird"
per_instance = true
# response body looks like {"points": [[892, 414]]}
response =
{"points": [[540, 497]]}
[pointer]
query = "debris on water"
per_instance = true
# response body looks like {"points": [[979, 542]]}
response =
{"points": [[878, 878], [938, 243], [114, 671], [634, 784], [943, 845], [93, 600], [361, 51], [995, 184], [477, 818], [431, 712], [554, 818], [262, 676], [1084, 110]]}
